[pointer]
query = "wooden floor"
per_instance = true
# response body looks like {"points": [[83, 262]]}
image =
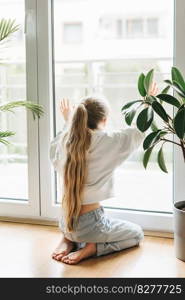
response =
{"points": [[25, 251]]}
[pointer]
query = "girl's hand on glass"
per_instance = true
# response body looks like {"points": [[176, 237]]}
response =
{"points": [[66, 108], [153, 89]]}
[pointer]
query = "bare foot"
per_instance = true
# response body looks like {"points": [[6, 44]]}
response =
{"points": [[75, 257], [64, 248]]}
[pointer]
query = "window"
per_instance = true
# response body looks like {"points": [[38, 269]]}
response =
{"points": [[50, 62], [119, 28], [72, 33], [18, 162], [110, 28], [117, 80], [13, 159], [152, 27], [142, 28], [134, 28]]}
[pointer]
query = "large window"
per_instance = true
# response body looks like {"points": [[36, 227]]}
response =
{"points": [[73, 48], [19, 181], [111, 67], [13, 159]]}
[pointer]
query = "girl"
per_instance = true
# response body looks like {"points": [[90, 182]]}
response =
{"points": [[85, 155]]}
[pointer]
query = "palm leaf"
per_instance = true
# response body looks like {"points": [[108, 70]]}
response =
{"points": [[7, 27], [4, 134], [36, 109]]}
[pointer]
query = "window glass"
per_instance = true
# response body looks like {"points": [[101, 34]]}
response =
{"points": [[72, 33], [152, 27], [111, 66], [13, 158], [135, 28]]}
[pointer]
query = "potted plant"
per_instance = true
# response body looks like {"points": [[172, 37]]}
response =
{"points": [[7, 28], [166, 129]]}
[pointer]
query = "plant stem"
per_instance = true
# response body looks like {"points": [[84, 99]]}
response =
{"points": [[170, 127], [166, 140]]}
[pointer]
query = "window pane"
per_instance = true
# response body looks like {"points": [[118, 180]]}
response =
{"points": [[72, 33], [152, 27], [135, 28], [109, 65], [13, 159]]}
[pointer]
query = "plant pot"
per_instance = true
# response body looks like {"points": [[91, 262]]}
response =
{"points": [[179, 229]]}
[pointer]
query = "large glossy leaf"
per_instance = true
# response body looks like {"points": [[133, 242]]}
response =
{"points": [[129, 116], [161, 162], [141, 86], [177, 76], [176, 86], [145, 119], [179, 123], [148, 80], [169, 99], [157, 107], [129, 104], [151, 139], [179, 88], [146, 157]]}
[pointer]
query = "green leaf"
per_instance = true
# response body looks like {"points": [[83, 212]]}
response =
{"points": [[6, 133], [36, 109], [177, 76], [7, 27], [176, 87], [157, 107], [169, 99], [146, 157], [165, 90], [181, 107], [151, 139], [129, 116], [5, 142], [129, 104], [141, 86], [179, 87], [168, 81], [145, 119], [179, 123], [148, 80], [161, 162]]}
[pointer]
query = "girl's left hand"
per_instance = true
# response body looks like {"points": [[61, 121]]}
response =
{"points": [[66, 108], [153, 89]]}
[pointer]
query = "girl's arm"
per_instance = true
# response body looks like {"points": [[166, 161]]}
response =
{"points": [[129, 139], [55, 147]]}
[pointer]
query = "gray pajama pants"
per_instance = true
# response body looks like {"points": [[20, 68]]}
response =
{"points": [[109, 234]]}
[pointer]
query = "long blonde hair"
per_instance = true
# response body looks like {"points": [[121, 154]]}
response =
{"points": [[86, 117]]}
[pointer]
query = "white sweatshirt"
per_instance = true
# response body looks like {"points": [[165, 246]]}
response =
{"points": [[107, 151]]}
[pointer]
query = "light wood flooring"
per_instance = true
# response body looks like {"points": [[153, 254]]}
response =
{"points": [[25, 251]]}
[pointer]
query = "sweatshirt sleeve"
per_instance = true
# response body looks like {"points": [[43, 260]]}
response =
{"points": [[55, 152], [128, 140]]}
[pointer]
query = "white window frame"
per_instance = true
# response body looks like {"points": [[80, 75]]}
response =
{"points": [[32, 206], [48, 209]]}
